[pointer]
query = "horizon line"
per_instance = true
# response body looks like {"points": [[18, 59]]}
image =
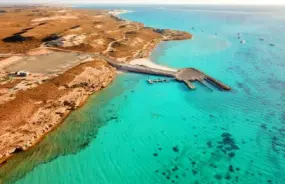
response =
{"points": [[127, 3]]}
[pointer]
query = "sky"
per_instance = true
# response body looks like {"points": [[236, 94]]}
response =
{"points": [[256, 2]]}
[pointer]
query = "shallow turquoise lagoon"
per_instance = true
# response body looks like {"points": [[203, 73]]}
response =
{"points": [[133, 132]]}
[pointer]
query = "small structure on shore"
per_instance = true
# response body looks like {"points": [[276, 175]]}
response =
{"points": [[20, 73]]}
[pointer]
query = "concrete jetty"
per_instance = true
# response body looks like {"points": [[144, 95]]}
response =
{"points": [[218, 83], [189, 84], [192, 74], [185, 75]]}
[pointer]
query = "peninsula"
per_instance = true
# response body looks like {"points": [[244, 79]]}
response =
{"points": [[50, 64]]}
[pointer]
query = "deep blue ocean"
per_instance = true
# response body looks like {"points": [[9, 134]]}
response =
{"points": [[133, 132]]}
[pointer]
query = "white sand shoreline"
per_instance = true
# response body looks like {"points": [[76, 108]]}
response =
{"points": [[148, 63], [119, 12]]}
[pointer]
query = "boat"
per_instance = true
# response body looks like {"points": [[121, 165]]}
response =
{"points": [[243, 41]]}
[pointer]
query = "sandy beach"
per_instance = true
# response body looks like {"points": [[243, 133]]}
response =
{"points": [[148, 63], [118, 12]]}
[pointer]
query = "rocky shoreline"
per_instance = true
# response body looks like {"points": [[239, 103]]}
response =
{"points": [[49, 113], [37, 105]]}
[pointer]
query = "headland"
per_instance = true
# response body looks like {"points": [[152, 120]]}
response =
{"points": [[48, 67]]}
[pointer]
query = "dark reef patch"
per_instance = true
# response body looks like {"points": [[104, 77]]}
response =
{"points": [[175, 148], [227, 145], [227, 177], [263, 126], [231, 169], [209, 144], [244, 88], [277, 143], [214, 166], [276, 84], [84, 145], [231, 154], [194, 171], [218, 176], [175, 168], [236, 178]]}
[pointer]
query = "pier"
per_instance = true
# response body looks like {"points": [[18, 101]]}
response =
{"points": [[188, 75], [189, 84], [185, 75]]}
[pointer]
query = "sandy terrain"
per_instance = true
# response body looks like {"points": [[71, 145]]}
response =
{"points": [[47, 63], [54, 18], [79, 30], [9, 61], [55, 46], [148, 63], [39, 51]]}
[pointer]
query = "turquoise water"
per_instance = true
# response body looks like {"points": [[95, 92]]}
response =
{"points": [[133, 132]]}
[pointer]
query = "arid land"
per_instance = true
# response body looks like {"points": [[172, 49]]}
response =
{"points": [[56, 47]]}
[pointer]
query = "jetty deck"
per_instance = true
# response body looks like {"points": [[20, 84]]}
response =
{"points": [[192, 74], [186, 75]]}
